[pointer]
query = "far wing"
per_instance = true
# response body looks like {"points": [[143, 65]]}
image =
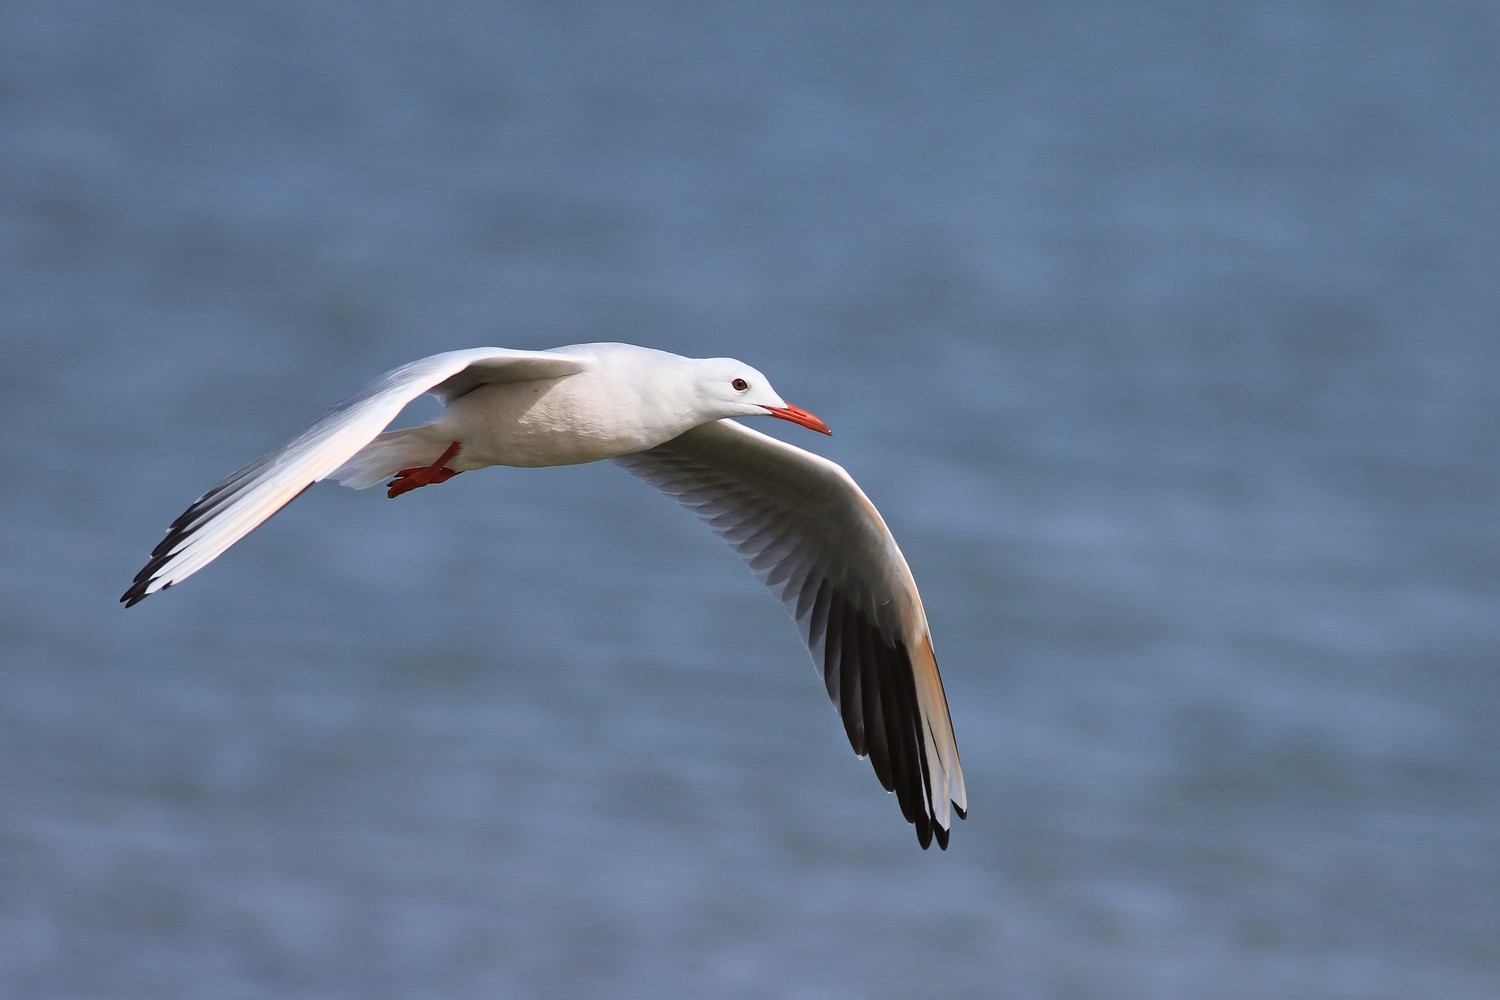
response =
{"points": [[236, 506], [810, 534]]}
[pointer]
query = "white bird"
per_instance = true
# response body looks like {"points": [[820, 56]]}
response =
{"points": [[798, 520]]}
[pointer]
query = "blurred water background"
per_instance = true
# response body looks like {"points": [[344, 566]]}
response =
{"points": [[1166, 335]]}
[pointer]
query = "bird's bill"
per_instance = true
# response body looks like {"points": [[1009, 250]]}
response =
{"points": [[798, 415]]}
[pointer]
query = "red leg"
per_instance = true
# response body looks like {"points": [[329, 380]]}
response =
{"points": [[424, 475]]}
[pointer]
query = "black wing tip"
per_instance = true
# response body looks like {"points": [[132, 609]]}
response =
{"points": [[924, 834], [930, 830], [872, 685], [138, 592]]}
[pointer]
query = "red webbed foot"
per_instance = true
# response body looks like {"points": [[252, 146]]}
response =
{"points": [[424, 475]]}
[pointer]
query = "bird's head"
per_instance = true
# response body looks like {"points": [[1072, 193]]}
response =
{"points": [[730, 388]]}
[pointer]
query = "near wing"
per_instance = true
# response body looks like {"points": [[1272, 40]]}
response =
{"points": [[233, 508], [810, 534]]}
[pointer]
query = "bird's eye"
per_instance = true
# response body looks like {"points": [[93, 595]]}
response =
{"points": [[739, 385]]}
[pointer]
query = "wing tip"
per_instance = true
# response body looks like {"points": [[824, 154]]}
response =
{"points": [[931, 827], [142, 588]]}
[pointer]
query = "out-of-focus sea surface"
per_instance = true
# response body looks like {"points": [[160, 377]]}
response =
{"points": [[1166, 336]]}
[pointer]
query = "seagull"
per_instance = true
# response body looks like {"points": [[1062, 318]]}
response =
{"points": [[798, 520]]}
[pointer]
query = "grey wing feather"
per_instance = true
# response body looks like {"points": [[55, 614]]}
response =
{"points": [[811, 535]]}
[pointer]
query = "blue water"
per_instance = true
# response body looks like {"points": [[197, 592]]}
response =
{"points": [[1165, 335]]}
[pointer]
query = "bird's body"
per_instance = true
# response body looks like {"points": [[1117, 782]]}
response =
{"points": [[798, 520], [581, 417], [605, 401]]}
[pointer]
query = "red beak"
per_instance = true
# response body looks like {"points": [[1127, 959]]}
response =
{"points": [[798, 415]]}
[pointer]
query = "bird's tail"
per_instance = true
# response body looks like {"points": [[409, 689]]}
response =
{"points": [[385, 456]]}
